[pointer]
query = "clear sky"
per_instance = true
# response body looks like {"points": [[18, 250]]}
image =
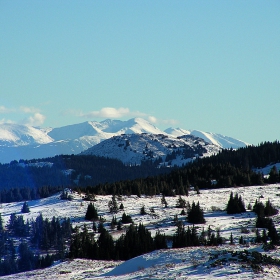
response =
{"points": [[206, 65]]}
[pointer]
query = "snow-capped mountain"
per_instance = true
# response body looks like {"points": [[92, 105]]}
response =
{"points": [[25, 142], [222, 141], [21, 135], [134, 148]]}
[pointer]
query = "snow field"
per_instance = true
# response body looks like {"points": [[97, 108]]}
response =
{"points": [[168, 264]]}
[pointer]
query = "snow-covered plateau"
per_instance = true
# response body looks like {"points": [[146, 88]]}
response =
{"points": [[224, 262], [25, 142]]}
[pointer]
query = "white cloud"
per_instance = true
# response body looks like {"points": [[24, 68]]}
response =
{"points": [[6, 121], [5, 110], [152, 119], [109, 112], [113, 113], [36, 120], [28, 110]]}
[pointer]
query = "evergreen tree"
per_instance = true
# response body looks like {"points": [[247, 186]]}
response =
{"points": [[1, 224], [163, 201], [25, 208], [114, 222], [258, 208], [269, 210], [235, 204], [273, 175], [196, 215], [181, 203], [91, 213], [106, 247], [113, 206], [160, 241], [143, 211], [126, 219], [231, 239]]}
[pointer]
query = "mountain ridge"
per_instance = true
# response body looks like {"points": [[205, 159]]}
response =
{"points": [[27, 142], [164, 149]]}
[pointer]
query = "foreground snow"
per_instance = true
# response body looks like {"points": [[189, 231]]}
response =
{"points": [[186, 263]]}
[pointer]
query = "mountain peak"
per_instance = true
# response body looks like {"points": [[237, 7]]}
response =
{"points": [[24, 142]]}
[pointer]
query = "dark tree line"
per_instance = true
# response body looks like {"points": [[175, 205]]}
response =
{"points": [[228, 168], [27, 193], [136, 241], [99, 175], [190, 237], [86, 170]]}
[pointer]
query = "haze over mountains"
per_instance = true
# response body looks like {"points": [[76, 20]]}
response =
{"points": [[25, 142]]}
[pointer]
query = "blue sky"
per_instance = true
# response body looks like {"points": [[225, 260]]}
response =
{"points": [[206, 65]]}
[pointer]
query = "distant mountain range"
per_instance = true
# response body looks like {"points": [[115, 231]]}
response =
{"points": [[25, 142]]}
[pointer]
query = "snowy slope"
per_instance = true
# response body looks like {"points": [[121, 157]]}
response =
{"points": [[21, 135], [214, 138], [23, 142], [185, 263], [134, 148]]}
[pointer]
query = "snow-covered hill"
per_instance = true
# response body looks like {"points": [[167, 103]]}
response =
{"points": [[224, 262], [25, 142], [134, 148]]}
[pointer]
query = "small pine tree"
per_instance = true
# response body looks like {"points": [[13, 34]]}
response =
{"points": [[25, 208], [269, 210], [126, 219], [91, 213], [183, 212], [231, 239], [181, 203], [143, 211], [113, 206], [114, 222], [163, 201]]}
